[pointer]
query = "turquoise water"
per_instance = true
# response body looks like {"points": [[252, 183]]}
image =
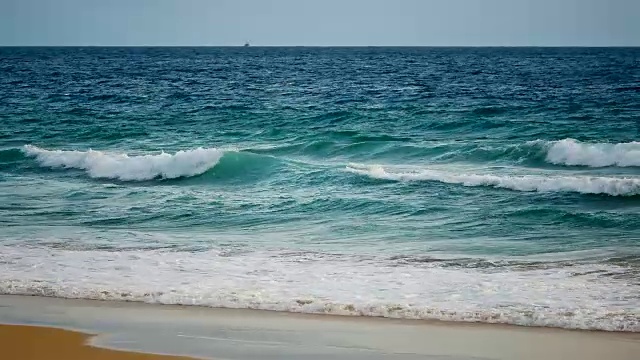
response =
{"points": [[492, 185]]}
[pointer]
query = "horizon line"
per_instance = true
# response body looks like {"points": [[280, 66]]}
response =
{"points": [[326, 46]]}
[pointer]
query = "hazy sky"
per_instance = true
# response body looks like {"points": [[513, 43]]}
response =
{"points": [[320, 22]]}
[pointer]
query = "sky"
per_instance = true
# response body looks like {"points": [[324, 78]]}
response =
{"points": [[320, 22]]}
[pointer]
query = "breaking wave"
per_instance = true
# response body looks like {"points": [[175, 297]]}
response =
{"points": [[124, 167], [576, 153], [536, 153], [565, 152], [575, 296], [614, 186]]}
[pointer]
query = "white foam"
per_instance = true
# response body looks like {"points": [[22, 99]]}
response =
{"points": [[100, 164], [574, 152], [615, 186], [571, 296]]}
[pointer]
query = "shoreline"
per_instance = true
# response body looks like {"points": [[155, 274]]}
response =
{"points": [[49, 343], [210, 333], [318, 315]]}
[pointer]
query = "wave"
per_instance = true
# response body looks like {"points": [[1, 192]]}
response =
{"points": [[574, 152], [537, 153], [578, 296], [360, 148], [10, 155], [581, 184], [123, 167], [565, 152]]}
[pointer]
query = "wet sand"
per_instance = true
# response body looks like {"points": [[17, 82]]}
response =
{"points": [[253, 334], [19, 342]]}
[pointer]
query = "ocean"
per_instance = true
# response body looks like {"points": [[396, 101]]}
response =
{"points": [[495, 185]]}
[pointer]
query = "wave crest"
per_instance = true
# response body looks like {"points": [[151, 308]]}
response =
{"points": [[106, 165], [536, 153], [573, 152], [581, 184]]}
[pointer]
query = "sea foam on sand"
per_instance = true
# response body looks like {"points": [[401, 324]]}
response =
{"points": [[252, 334]]}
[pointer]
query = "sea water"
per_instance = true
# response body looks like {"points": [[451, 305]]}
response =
{"points": [[497, 185]]}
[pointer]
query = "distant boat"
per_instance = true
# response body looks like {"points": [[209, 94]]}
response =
{"points": [[246, 44]]}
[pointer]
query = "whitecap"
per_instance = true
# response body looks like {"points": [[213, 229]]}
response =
{"points": [[575, 153], [615, 186], [111, 165]]}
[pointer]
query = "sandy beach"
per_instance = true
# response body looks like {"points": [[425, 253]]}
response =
{"points": [[250, 334], [40, 343]]}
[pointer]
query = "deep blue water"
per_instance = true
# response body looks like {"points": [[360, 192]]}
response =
{"points": [[473, 184]]}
